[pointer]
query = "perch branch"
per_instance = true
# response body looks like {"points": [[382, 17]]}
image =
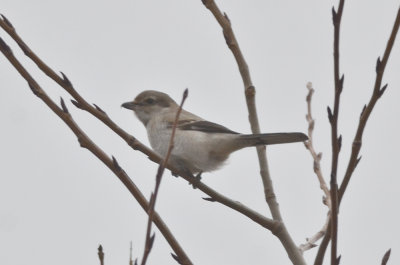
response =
{"points": [[378, 91], [87, 143], [135, 144], [249, 89], [160, 172]]}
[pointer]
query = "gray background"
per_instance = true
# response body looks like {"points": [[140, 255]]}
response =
{"points": [[58, 202]]}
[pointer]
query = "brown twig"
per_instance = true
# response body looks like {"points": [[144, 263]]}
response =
{"points": [[333, 119], [100, 253], [249, 89], [150, 239], [81, 103], [310, 243], [365, 114], [87, 143]]}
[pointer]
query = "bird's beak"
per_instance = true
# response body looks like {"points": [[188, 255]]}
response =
{"points": [[130, 105]]}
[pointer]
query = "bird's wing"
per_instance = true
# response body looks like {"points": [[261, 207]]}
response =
{"points": [[202, 126]]}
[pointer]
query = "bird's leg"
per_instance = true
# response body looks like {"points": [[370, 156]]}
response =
{"points": [[196, 179]]}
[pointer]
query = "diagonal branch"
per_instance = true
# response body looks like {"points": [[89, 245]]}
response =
{"points": [[87, 143], [378, 91], [97, 112], [283, 235]]}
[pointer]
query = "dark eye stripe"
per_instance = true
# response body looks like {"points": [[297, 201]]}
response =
{"points": [[150, 101]]}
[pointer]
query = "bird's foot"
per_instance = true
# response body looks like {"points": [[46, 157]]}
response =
{"points": [[196, 180]]}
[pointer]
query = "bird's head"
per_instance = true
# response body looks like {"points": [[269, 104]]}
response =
{"points": [[149, 103]]}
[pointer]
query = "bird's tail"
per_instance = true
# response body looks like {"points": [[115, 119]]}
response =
{"points": [[271, 138]]}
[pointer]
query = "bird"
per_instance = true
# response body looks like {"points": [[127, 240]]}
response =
{"points": [[199, 145]]}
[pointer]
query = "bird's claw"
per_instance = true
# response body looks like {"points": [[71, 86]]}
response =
{"points": [[196, 180]]}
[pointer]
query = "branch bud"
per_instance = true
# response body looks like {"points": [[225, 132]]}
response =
{"points": [[362, 112], [330, 116], [382, 90], [8, 23], [334, 16], [115, 163], [63, 106], [378, 65], [66, 80]]}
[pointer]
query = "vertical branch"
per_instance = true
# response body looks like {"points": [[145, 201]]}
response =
{"points": [[250, 92], [378, 91], [280, 230], [333, 119], [310, 146], [310, 242], [150, 239]]}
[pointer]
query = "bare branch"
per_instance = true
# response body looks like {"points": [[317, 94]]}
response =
{"points": [[310, 242], [249, 89], [365, 114], [310, 146], [87, 143], [81, 103], [333, 118], [160, 171]]}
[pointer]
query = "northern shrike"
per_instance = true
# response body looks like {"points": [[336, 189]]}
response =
{"points": [[199, 145]]}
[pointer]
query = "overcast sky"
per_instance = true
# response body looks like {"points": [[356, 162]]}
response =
{"points": [[58, 202]]}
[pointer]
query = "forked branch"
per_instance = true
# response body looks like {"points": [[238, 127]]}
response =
{"points": [[97, 112], [87, 143], [378, 91]]}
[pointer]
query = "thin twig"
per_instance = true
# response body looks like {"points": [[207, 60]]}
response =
{"points": [[160, 172], [249, 89], [310, 146], [333, 119], [87, 143], [81, 103], [365, 114], [310, 242]]}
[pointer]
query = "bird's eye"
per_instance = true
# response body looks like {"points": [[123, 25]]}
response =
{"points": [[150, 101]]}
